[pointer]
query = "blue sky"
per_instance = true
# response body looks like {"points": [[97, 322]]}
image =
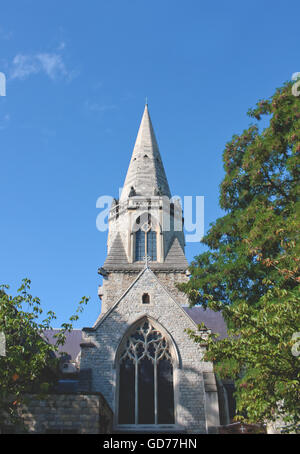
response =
{"points": [[77, 77]]}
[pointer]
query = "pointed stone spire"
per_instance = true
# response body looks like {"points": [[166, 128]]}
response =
{"points": [[146, 175]]}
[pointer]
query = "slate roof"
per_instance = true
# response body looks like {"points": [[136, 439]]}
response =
{"points": [[72, 344], [117, 255], [212, 320], [176, 255]]}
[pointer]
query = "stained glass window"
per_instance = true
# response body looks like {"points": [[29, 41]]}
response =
{"points": [[146, 393]]}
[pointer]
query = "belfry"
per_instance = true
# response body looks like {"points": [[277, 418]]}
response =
{"points": [[138, 353]]}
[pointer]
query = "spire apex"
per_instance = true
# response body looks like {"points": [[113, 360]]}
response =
{"points": [[146, 175]]}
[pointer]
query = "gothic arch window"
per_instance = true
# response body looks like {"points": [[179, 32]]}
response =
{"points": [[140, 241], [151, 244], [145, 239], [146, 389]]}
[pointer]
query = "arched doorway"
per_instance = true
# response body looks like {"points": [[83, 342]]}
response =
{"points": [[145, 377]]}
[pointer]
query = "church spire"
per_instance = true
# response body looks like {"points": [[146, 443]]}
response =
{"points": [[146, 175]]}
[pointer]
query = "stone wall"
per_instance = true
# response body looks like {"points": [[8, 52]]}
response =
{"points": [[66, 413], [117, 283], [169, 280], [114, 286]]}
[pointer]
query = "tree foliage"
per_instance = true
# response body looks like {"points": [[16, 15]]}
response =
{"points": [[251, 268], [30, 363]]}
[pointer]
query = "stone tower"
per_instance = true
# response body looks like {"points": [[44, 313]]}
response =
{"points": [[138, 354], [145, 206]]}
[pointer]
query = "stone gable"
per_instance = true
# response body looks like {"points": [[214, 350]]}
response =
{"points": [[110, 329]]}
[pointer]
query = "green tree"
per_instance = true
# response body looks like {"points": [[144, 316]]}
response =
{"points": [[30, 363], [251, 269]]}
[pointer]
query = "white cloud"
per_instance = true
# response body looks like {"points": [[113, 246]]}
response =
{"points": [[50, 64], [23, 66]]}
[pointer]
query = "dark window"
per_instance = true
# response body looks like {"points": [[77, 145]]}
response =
{"points": [[165, 392], [145, 238], [139, 245], [146, 298], [151, 244], [127, 395], [146, 394]]}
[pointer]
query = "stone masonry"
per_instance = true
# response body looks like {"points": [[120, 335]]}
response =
{"points": [[66, 413]]}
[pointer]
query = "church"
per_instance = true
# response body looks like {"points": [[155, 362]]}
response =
{"points": [[136, 370], [138, 353]]}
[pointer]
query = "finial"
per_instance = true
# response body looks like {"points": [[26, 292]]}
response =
{"points": [[146, 102], [147, 259]]}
